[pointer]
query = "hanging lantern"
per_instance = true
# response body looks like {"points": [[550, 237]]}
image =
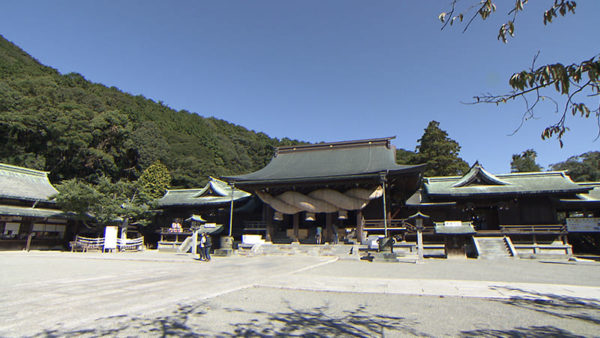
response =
{"points": [[343, 214], [310, 216], [278, 216]]}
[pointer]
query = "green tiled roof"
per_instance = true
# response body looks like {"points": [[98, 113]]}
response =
{"points": [[329, 161], [479, 182], [25, 184], [592, 197], [215, 192], [31, 212]]}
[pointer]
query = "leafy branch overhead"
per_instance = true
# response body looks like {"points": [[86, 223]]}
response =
{"points": [[574, 83]]}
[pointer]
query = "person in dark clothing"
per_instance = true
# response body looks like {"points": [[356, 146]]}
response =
{"points": [[207, 246], [201, 246]]}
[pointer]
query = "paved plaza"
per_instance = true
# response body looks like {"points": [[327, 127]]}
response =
{"points": [[167, 294]]}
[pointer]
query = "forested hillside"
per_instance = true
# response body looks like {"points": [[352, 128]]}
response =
{"points": [[78, 129]]}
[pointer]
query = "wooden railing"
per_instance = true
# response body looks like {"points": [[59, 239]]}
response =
{"points": [[395, 225], [131, 244], [534, 229], [86, 243], [181, 231], [255, 226], [398, 224]]}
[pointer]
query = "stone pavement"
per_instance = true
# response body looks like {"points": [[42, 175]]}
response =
{"points": [[61, 293]]}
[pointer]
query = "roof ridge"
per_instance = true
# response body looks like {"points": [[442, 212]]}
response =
{"points": [[338, 145], [22, 170]]}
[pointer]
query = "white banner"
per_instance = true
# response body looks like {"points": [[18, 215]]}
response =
{"points": [[583, 224], [110, 237]]}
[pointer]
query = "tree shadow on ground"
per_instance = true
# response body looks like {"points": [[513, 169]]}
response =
{"points": [[585, 309], [520, 332], [185, 321], [316, 322], [174, 325]]}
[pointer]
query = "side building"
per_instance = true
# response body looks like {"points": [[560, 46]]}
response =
{"points": [[28, 216], [525, 211], [210, 204]]}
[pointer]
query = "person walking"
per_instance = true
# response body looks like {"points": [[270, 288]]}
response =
{"points": [[207, 246], [201, 246]]}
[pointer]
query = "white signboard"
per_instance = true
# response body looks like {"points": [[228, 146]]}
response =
{"points": [[110, 237], [452, 223], [583, 224]]}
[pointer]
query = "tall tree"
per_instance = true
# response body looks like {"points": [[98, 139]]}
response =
{"points": [[439, 152], [524, 162], [155, 180], [581, 168], [122, 202], [568, 86]]}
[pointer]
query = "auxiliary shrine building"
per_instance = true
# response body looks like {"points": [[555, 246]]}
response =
{"points": [[28, 216]]}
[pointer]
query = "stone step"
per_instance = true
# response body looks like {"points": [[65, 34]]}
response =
{"points": [[492, 247]]}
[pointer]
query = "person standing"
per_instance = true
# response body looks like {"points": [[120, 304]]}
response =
{"points": [[207, 246], [318, 235], [201, 246]]}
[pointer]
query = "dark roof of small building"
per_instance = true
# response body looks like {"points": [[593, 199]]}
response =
{"points": [[215, 192], [25, 184], [329, 161], [479, 182], [591, 197]]}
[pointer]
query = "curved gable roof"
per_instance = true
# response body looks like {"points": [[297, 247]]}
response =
{"points": [[326, 161], [548, 182], [214, 192], [25, 184]]}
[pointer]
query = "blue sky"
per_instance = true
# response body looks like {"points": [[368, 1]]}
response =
{"points": [[318, 70]]}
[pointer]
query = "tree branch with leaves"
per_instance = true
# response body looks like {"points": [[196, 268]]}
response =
{"points": [[572, 82]]}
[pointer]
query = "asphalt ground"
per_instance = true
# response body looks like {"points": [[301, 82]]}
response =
{"points": [[163, 294]]}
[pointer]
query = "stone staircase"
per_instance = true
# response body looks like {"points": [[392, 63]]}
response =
{"points": [[493, 247]]}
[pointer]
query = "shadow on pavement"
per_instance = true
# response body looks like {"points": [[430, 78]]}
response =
{"points": [[186, 321], [528, 332], [178, 325], [316, 322], [585, 309]]}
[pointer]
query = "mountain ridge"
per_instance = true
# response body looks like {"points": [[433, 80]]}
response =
{"points": [[75, 128]]}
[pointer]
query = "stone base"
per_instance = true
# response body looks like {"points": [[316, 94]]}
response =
{"points": [[386, 257], [223, 252]]}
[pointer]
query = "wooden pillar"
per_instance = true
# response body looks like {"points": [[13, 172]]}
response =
{"points": [[268, 219], [360, 224], [27, 228], [296, 227], [328, 228], [420, 239]]}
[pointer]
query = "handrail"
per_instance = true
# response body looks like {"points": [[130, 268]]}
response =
{"points": [[534, 228]]}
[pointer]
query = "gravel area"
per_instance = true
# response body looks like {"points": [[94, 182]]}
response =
{"points": [[266, 312], [52, 294]]}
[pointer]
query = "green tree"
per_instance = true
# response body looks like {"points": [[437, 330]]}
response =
{"points": [[573, 83], [439, 152], [155, 180], [122, 202], [581, 168], [404, 156], [524, 162]]}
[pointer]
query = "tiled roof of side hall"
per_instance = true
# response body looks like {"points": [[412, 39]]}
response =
{"points": [[329, 161], [214, 192], [480, 182], [591, 197], [25, 184]]}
